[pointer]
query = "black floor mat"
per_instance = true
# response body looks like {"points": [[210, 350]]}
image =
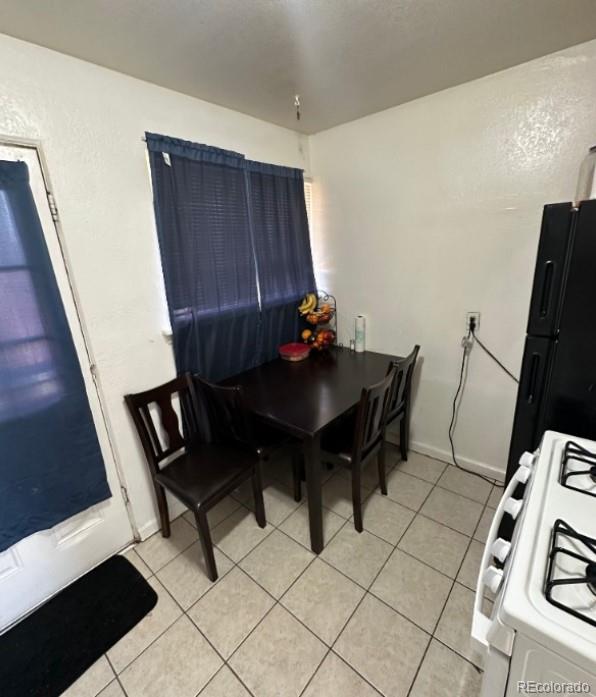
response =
{"points": [[46, 652]]}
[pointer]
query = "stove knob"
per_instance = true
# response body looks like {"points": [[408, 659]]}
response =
{"points": [[523, 474], [492, 578], [513, 507], [527, 459], [500, 549]]}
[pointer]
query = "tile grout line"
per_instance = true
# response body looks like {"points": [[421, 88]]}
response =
{"points": [[154, 574], [183, 613], [471, 538], [453, 581], [234, 564], [116, 677], [278, 601], [367, 592], [304, 502], [373, 491], [242, 504]]}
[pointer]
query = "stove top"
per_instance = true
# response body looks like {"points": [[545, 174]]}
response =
{"points": [[571, 576], [549, 590], [578, 468]]}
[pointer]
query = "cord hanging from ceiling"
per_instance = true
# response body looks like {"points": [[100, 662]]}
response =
{"points": [[297, 105]]}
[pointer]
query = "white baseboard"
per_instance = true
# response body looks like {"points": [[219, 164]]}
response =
{"points": [[148, 529], [445, 456], [152, 526]]}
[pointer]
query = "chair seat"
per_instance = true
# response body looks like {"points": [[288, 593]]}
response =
{"points": [[201, 473]]}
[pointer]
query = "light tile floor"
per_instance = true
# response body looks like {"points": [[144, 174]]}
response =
{"points": [[386, 612]]}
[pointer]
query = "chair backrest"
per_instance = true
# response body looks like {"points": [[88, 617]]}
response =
{"points": [[160, 435], [400, 390], [370, 418], [229, 419]]}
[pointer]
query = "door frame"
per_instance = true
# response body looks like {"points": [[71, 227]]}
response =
{"points": [[37, 146]]}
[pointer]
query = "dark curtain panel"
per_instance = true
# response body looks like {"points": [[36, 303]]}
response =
{"points": [[207, 256], [282, 249], [51, 466]]}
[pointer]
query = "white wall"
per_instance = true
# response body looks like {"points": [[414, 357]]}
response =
{"points": [[423, 212], [431, 209], [90, 122]]}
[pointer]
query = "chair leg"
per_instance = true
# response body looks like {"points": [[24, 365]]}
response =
{"points": [[357, 499], [382, 469], [257, 491], [162, 505], [403, 437], [206, 544], [297, 475]]}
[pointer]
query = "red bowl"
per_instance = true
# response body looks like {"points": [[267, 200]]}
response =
{"points": [[294, 351]]}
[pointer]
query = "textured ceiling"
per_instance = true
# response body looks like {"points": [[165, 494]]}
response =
{"points": [[346, 58]]}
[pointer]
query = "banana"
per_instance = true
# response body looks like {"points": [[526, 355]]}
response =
{"points": [[308, 304], [303, 307]]}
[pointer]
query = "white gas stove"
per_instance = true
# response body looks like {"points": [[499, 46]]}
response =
{"points": [[539, 564]]}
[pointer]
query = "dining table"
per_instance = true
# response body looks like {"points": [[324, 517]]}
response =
{"points": [[302, 398]]}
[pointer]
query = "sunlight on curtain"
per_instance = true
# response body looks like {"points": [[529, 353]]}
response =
{"points": [[51, 465], [29, 378]]}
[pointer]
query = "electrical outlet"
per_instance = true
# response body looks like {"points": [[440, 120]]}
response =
{"points": [[476, 317]]}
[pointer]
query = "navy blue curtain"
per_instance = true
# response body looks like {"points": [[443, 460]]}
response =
{"points": [[51, 465], [282, 248], [235, 252], [207, 256]]}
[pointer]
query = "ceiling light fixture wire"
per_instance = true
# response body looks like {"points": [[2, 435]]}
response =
{"points": [[297, 105]]}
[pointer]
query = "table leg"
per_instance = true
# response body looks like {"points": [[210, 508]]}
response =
{"points": [[312, 463]]}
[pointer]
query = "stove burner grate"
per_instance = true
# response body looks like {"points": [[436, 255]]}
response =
{"points": [[576, 452], [563, 529]]}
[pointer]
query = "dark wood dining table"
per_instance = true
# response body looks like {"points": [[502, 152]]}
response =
{"points": [[303, 398]]}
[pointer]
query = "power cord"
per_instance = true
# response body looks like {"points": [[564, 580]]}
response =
{"points": [[467, 343], [490, 353], [467, 346]]}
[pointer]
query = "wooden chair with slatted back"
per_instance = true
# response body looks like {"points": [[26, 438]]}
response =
{"points": [[356, 440], [198, 473], [399, 400], [268, 441]]}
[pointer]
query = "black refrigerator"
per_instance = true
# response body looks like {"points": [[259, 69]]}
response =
{"points": [[557, 388]]}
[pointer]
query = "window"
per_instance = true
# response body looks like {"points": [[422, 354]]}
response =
{"points": [[308, 201], [235, 251]]}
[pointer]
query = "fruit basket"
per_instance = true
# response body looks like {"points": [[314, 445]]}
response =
{"points": [[319, 314], [322, 316]]}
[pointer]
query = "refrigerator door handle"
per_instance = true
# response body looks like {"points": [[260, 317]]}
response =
{"points": [[548, 283], [547, 287], [534, 369]]}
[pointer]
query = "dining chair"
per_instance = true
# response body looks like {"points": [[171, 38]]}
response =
{"points": [[399, 400], [355, 440], [267, 441], [197, 472]]}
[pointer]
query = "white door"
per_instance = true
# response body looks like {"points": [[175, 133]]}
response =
{"points": [[38, 566]]}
